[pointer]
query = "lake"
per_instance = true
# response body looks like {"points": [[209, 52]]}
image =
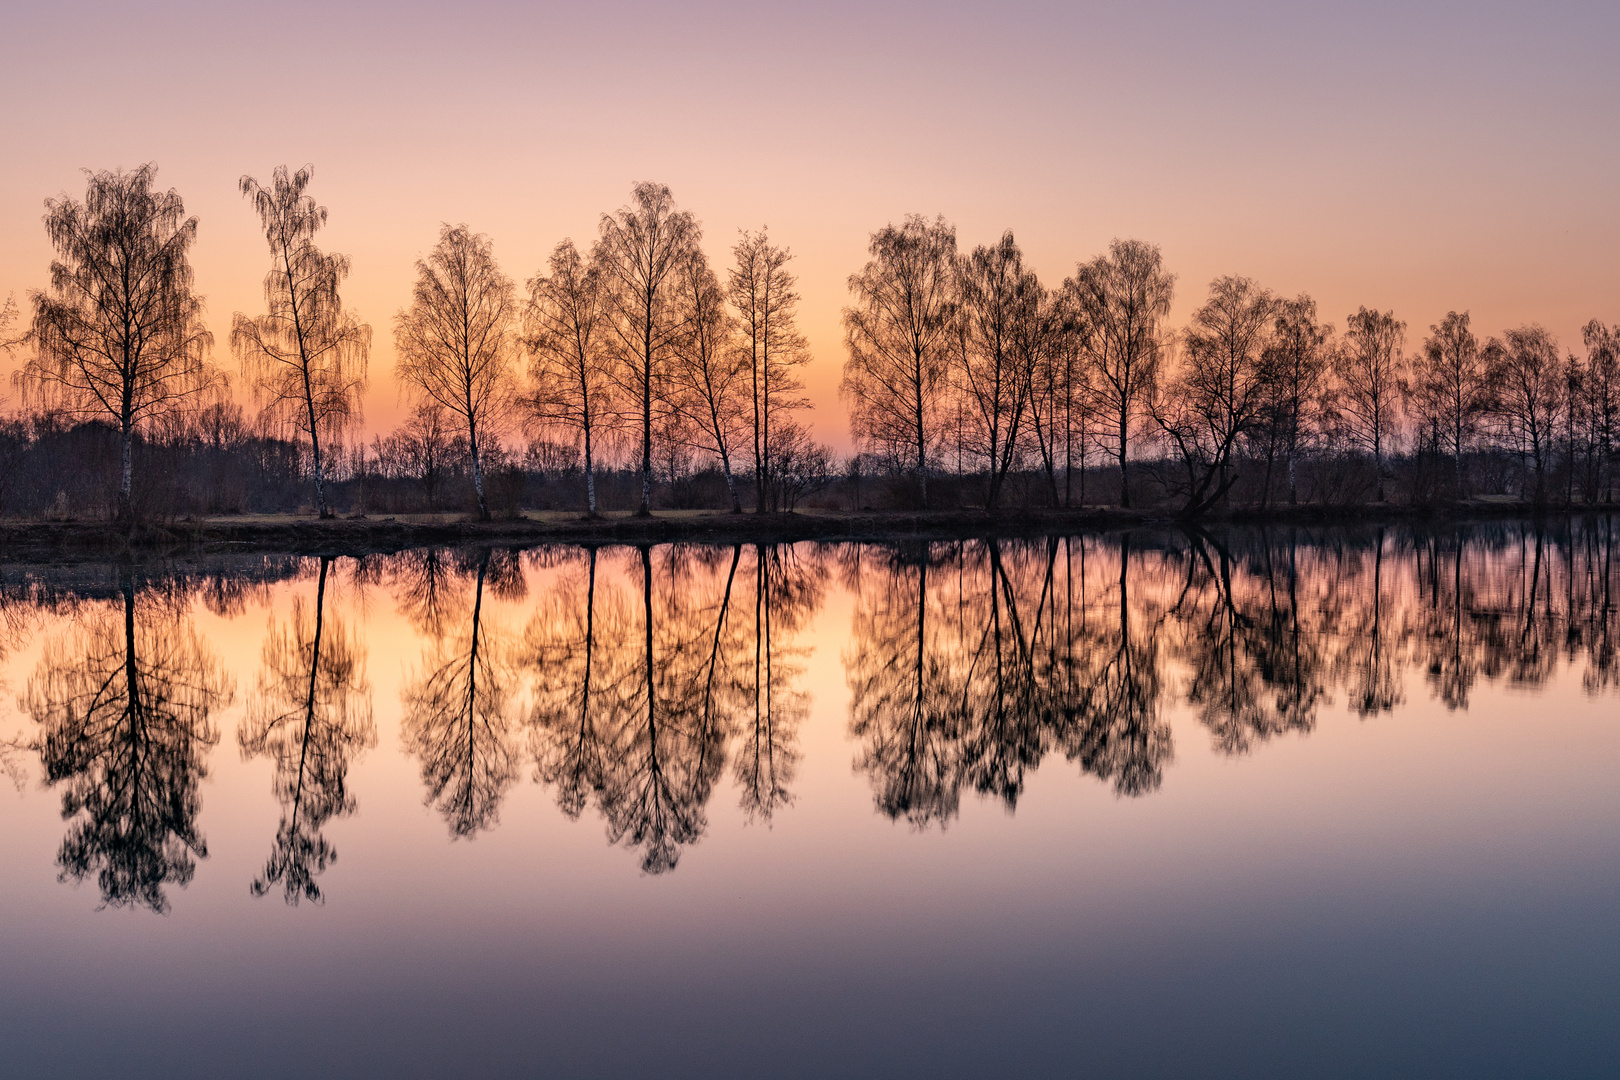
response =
{"points": [[1237, 802]]}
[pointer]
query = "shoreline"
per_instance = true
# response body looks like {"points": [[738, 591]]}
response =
{"points": [[68, 540]]}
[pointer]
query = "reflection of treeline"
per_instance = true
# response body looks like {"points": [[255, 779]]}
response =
{"points": [[632, 371], [632, 682], [639, 677], [971, 662]]}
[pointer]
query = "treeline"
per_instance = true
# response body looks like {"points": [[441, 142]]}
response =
{"points": [[635, 374]]}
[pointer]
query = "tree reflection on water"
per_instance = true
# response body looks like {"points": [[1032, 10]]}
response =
{"points": [[633, 682]]}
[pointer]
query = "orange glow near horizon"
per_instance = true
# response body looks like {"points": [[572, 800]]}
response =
{"points": [[1449, 158]]}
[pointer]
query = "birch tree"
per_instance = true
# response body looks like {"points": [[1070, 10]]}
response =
{"points": [[305, 356], [761, 288], [640, 251], [1370, 363], [999, 301], [898, 334], [710, 387], [566, 337], [457, 341], [1451, 386], [1527, 375], [119, 330], [1121, 300], [1297, 362]]}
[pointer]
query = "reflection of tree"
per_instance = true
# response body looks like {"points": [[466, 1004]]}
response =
{"points": [[1254, 672], [787, 589], [458, 710], [901, 705], [123, 706], [1371, 660], [665, 733], [1452, 665], [311, 714], [1004, 715], [429, 588], [1118, 733], [638, 692], [561, 641]]}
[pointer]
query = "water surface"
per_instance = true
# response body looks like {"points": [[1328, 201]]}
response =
{"points": [[1159, 803]]}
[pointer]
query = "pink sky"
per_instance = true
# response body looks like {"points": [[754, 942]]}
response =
{"points": [[1416, 157]]}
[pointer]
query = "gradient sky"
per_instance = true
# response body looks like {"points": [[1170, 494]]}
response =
{"points": [[1422, 157]]}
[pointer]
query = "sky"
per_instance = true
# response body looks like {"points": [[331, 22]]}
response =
{"points": [[1420, 157]]}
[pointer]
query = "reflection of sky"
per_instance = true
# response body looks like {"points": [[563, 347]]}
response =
{"points": [[1420, 157], [1421, 893]]}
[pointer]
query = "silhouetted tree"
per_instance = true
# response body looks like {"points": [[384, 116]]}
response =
{"points": [[311, 715], [456, 341], [1370, 363], [306, 356], [119, 332], [761, 288], [1528, 379], [1220, 394], [1297, 366], [1000, 304], [640, 251], [708, 377], [898, 336], [1450, 388], [569, 365], [1119, 302], [1602, 387]]}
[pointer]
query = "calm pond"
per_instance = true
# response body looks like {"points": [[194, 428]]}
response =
{"points": [[1254, 802]]}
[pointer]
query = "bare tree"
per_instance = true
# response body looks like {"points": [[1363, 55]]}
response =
{"points": [[898, 335], [457, 340], [640, 251], [1001, 305], [1220, 393], [1528, 377], [1450, 389], [761, 289], [566, 337], [1370, 364], [1296, 361], [120, 333], [709, 388], [1048, 358], [1602, 384], [306, 356], [1120, 301], [8, 318]]}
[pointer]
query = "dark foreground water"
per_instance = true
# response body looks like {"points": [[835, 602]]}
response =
{"points": [[1252, 803]]}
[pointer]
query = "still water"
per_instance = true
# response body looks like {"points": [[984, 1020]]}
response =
{"points": [[1161, 803]]}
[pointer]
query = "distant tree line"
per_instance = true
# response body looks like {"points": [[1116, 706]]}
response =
{"points": [[634, 374]]}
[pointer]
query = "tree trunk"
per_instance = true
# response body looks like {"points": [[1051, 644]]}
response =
{"points": [[1124, 474], [126, 509], [320, 472], [478, 480], [590, 476]]}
